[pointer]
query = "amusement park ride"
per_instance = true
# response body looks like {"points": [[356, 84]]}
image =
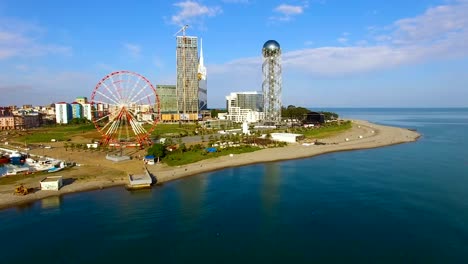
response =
{"points": [[125, 109]]}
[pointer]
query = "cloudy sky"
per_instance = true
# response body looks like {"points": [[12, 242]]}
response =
{"points": [[357, 53]]}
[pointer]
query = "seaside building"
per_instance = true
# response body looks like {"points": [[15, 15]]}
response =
{"points": [[87, 111], [187, 85], [244, 106], [168, 103], [272, 82], [81, 100], [202, 82], [27, 107], [5, 111], [77, 110], [27, 120], [7, 122], [63, 113]]}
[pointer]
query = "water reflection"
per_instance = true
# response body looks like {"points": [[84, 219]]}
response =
{"points": [[51, 202], [270, 189], [191, 195]]}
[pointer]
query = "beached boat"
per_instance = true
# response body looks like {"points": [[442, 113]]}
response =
{"points": [[57, 168], [16, 171], [17, 158], [4, 159]]}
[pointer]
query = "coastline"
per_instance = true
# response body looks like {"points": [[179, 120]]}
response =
{"points": [[99, 173]]}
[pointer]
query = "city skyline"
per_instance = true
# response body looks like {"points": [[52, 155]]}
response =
{"points": [[335, 54]]}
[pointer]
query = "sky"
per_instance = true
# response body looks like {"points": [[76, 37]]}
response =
{"points": [[335, 53]]}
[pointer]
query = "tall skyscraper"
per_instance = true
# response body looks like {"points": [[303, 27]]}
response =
{"points": [[202, 84], [272, 82], [187, 77]]}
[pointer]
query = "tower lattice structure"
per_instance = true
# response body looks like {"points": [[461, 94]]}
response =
{"points": [[272, 81]]}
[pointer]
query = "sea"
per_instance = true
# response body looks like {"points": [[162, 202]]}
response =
{"points": [[405, 203]]}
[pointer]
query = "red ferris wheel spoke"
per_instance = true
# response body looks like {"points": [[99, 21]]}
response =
{"points": [[127, 100]]}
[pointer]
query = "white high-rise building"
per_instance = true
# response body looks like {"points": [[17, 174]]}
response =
{"points": [[63, 113], [87, 111], [202, 83], [245, 106]]}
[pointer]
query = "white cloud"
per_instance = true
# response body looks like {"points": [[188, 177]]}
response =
{"points": [[20, 39], [287, 12], [236, 1], [191, 11], [403, 44], [342, 40], [289, 9], [440, 32], [44, 86], [133, 50]]}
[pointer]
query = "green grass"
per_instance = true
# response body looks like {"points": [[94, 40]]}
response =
{"points": [[62, 133], [176, 159], [173, 129], [327, 131]]}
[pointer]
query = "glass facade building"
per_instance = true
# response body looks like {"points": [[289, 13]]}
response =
{"points": [[187, 87]]}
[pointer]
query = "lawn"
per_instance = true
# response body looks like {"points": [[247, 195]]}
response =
{"points": [[327, 131], [60, 133], [176, 159], [173, 129]]}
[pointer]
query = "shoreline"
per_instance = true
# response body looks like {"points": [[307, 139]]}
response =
{"points": [[363, 135]]}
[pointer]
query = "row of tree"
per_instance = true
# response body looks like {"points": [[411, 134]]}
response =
{"points": [[293, 112]]}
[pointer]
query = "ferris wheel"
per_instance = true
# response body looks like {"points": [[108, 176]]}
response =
{"points": [[125, 109]]}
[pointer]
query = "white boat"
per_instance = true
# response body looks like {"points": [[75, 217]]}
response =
{"points": [[16, 171], [59, 168], [55, 169]]}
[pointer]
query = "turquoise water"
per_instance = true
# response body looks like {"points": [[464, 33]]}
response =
{"points": [[399, 204]]}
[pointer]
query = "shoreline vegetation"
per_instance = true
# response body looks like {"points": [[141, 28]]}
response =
{"points": [[95, 172]]}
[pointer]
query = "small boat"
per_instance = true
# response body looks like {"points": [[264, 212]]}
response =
{"points": [[16, 171], [4, 159], [57, 168], [17, 158]]}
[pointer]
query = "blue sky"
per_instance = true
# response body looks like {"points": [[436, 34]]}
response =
{"points": [[362, 53]]}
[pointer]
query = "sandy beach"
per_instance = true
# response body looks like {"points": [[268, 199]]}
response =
{"points": [[95, 172]]}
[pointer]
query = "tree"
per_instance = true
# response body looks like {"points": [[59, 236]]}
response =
{"points": [[251, 128], [157, 150]]}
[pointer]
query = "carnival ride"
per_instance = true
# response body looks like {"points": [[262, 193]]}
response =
{"points": [[125, 109]]}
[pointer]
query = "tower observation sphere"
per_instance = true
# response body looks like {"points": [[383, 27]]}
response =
{"points": [[271, 45], [272, 81]]}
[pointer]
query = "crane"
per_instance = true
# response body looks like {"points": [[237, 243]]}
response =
{"points": [[182, 29]]}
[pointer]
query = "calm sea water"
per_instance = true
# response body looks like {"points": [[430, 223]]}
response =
{"points": [[399, 204]]}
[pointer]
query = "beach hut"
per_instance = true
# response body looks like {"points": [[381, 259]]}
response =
{"points": [[149, 159], [53, 183]]}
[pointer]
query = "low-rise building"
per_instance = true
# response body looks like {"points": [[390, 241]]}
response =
{"points": [[7, 122]]}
